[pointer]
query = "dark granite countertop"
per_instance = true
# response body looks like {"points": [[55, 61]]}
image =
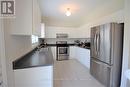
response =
{"points": [[35, 59], [70, 44], [84, 47]]}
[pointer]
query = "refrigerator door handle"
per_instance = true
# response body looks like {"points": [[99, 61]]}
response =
{"points": [[98, 44], [100, 63], [97, 62], [95, 42]]}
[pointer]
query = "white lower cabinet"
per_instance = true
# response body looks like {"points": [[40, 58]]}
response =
{"points": [[53, 49], [34, 77], [81, 54], [72, 54]]}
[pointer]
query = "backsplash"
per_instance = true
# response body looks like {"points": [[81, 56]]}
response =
{"points": [[69, 40]]}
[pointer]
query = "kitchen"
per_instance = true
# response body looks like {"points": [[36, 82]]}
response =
{"points": [[18, 38]]}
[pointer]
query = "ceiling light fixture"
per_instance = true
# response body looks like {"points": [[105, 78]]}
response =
{"points": [[68, 13]]}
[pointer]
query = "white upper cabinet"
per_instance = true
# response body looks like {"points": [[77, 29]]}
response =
{"points": [[36, 18], [28, 18], [23, 21]]}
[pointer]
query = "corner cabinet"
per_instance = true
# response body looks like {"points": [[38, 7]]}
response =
{"points": [[27, 18], [80, 54], [83, 56]]}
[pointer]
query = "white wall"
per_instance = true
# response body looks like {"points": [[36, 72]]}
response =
{"points": [[84, 30], [126, 55], [50, 31], [15, 47], [2, 55], [115, 17]]}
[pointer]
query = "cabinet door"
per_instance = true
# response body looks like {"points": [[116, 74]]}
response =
{"points": [[34, 77], [53, 49], [23, 21], [39, 21], [72, 54], [83, 56], [36, 18]]}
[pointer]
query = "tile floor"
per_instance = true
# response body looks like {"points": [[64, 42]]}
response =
{"points": [[71, 73]]}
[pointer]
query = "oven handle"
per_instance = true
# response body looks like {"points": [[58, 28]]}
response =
{"points": [[63, 48]]}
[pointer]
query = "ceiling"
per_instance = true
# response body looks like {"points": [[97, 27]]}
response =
{"points": [[83, 11]]}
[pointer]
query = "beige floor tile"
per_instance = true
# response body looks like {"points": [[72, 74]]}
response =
{"points": [[71, 73]]}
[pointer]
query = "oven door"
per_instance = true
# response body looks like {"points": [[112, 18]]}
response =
{"points": [[63, 51]]}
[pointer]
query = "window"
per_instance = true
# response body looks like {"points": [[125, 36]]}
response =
{"points": [[34, 39]]}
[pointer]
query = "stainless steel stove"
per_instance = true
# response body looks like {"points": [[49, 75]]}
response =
{"points": [[62, 50]]}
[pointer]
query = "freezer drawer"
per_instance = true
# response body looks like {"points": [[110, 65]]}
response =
{"points": [[101, 72]]}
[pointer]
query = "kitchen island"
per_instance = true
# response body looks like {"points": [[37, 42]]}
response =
{"points": [[34, 69]]}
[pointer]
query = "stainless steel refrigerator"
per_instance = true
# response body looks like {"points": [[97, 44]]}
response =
{"points": [[106, 53]]}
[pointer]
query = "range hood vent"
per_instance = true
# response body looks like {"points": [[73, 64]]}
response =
{"points": [[61, 35]]}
